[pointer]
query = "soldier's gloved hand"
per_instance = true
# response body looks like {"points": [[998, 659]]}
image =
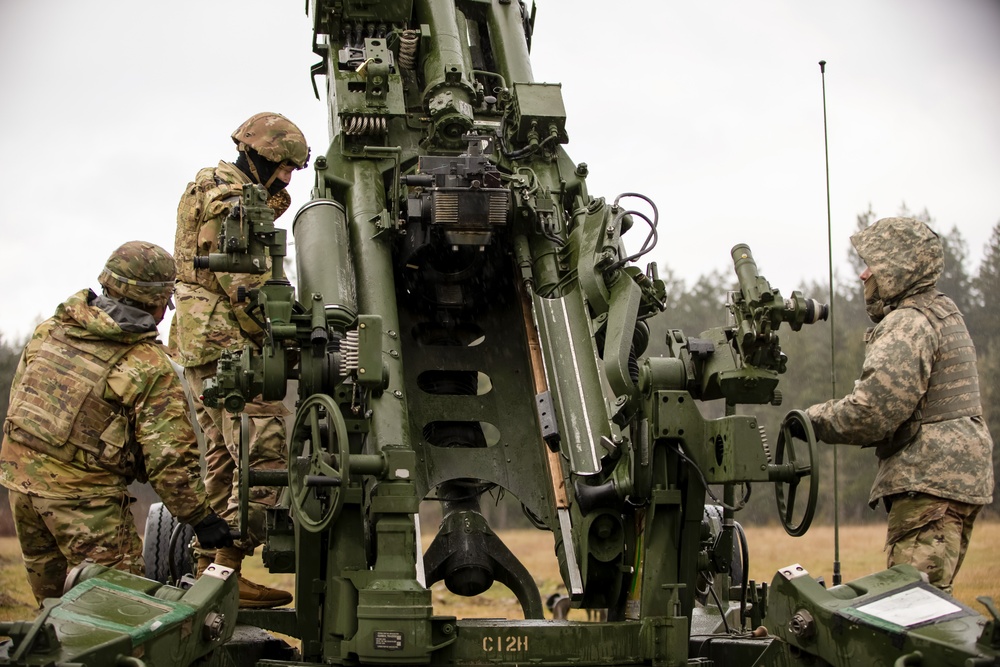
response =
{"points": [[796, 429], [213, 532]]}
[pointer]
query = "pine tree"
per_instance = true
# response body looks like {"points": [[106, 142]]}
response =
{"points": [[10, 355], [864, 220], [981, 316], [955, 281], [984, 325], [987, 281]]}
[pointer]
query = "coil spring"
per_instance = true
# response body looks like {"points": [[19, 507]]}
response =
{"points": [[349, 352], [408, 49], [365, 125]]}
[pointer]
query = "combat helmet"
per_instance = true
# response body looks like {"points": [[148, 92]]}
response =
{"points": [[274, 137], [141, 272]]}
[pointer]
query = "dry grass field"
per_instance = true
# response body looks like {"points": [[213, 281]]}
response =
{"points": [[770, 549]]}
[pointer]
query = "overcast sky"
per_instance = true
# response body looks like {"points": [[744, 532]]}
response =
{"points": [[712, 109]]}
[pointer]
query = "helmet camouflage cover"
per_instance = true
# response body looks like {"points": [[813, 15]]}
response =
{"points": [[140, 271], [274, 137]]}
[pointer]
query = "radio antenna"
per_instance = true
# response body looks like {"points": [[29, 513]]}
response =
{"points": [[833, 346]]}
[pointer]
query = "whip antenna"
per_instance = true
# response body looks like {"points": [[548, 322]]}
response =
{"points": [[833, 346]]}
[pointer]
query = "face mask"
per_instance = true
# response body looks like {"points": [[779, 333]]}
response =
{"points": [[873, 301], [262, 171]]}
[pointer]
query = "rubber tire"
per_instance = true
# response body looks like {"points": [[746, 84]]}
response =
{"points": [[156, 553], [736, 566]]}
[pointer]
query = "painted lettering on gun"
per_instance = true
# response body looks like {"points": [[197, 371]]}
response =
{"points": [[508, 644]]}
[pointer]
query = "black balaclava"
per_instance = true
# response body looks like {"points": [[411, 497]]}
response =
{"points": [[261, 170]]}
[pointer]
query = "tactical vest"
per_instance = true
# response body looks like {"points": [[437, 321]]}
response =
{"points": [[953, 386], [207, 199], [58, 408]]}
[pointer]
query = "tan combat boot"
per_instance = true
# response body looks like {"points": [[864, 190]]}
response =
{"points": [[252, 596]]}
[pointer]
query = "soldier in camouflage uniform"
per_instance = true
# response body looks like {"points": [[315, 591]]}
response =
{"points": [[95, 404], [210, 319], [916, 402]]}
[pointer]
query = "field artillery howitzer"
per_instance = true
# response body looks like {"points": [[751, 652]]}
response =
{"points": [[467, 318], [618, 497]]}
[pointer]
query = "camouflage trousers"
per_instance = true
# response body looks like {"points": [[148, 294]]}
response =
{"points": [[267, 451], [56, 535], [930, 533]]}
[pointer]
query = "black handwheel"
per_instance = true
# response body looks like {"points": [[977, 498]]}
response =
{"points": [[792, 472], [318, 463]]}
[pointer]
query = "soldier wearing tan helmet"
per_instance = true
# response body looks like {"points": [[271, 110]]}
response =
{"points": [[96, 404], [210, 319]]}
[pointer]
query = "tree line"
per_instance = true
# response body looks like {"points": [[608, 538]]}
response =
{"points": [[814, 374]]}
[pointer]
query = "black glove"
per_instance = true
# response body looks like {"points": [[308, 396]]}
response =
{"points": [[213, 532], [796, 429]]}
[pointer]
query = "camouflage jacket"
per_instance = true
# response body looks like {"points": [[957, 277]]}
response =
{"points": [[144, 385], [209, 318], [949, 458]]}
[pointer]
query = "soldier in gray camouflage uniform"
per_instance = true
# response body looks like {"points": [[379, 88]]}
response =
{"points": [[95, 404], [210, 320], [916, 402]]}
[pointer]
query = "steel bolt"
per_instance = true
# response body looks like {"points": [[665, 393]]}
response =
{"points": [[802, 624]]}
